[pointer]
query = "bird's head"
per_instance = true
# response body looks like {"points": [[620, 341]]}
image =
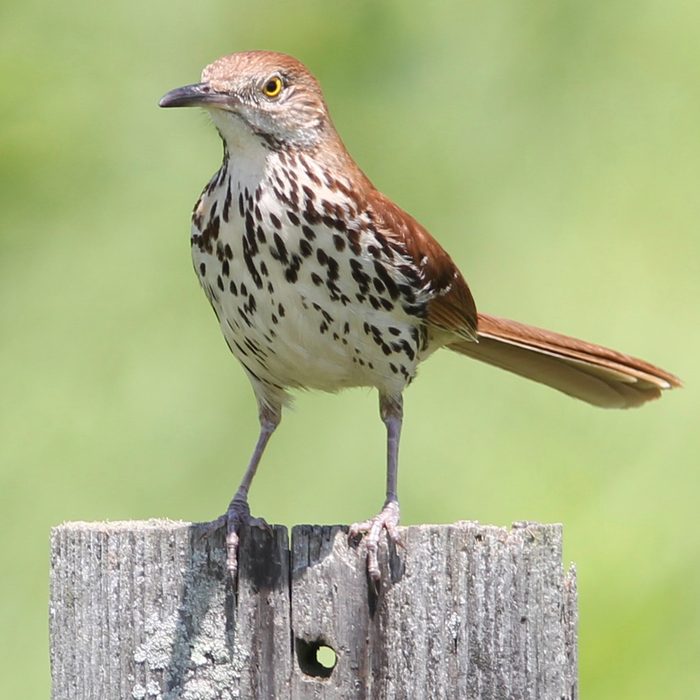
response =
{"points": [[269, 94]]}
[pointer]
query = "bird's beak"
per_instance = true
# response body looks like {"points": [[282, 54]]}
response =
{"points": [[196, 95]]}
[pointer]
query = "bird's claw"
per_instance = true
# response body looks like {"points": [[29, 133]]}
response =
{"points": [[387, 519], [236, 516]]}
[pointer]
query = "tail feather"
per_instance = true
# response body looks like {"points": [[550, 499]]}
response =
{"points": [[592, 373]]}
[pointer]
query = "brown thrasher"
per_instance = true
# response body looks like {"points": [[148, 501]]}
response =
{"points": [[319, 281]]}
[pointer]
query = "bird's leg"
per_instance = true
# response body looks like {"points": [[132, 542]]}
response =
{"points": [[238, 512], [391, 411]]}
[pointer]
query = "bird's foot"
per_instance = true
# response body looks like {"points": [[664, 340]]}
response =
{"points": [[387, 520], [236, 516]]}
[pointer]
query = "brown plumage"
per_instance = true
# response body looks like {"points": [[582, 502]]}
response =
{"points": [[452, 309], [589, 372], [593, 373], [320, 281]]}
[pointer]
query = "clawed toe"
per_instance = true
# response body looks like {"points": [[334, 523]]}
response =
{"points": [[387, 520], [208, 529], [236, 516]]}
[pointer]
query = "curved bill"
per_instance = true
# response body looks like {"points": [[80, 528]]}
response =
{"points": [[194, 95]]}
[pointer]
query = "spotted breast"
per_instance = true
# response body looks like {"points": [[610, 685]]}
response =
{"points": [[308, 290]]}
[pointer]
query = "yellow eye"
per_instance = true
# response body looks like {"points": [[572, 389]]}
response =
{"points": [[272, 87]]}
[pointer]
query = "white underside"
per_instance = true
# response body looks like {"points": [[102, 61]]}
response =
{"points": [[299, 354]]}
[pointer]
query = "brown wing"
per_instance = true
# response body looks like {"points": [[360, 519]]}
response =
{"points": [[452, 308], [590, 372]]}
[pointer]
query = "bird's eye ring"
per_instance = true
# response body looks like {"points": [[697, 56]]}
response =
{"points": [[272, 87]]}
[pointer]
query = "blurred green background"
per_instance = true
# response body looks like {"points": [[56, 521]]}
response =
{"points": [[553, 149]]}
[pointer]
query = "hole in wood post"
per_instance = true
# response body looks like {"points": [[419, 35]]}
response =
{"points": [[315, 658]]}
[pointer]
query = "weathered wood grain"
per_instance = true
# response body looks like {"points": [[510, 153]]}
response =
{"points": [[145, 610]]}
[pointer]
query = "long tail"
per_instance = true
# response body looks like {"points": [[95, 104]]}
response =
{"points": [[595, 374]]}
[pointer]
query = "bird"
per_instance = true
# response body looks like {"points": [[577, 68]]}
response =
{"points": [[320, 281]]}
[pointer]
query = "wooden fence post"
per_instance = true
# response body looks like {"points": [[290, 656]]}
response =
{"points": [[144, 610]]}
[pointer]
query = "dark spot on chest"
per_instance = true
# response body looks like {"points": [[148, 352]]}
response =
{"points": [[321, 256], [333, 222], [243, 316], [408, 349], [291, 275], [293, 199], [354, 237], [248, 256], [418, 310], [305, 247], [311, 216], [407, 292], [227, 203], [279, 252], [333, 269], [250, 234], [197, 218], [205, 241], [384, 244], [359, 275], [384, 276]]}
